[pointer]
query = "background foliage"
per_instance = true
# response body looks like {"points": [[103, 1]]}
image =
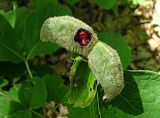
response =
{"points": [[32, 89]]}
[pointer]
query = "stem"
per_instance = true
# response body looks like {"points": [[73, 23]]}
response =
{"points": [[1, 93], [99, 112], [55, 108], [38, 114], [92, 110], [44, 111], [28, 69], [14, 5]]}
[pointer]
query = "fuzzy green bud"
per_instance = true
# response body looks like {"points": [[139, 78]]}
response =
{"points": [[62, 30], [105, 63], [103, 60]]}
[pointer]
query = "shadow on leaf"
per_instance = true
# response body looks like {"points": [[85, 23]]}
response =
{"points": [[129, 100], [17, 110]]}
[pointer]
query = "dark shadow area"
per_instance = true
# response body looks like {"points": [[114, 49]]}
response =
{"points": [[15, 106], [129, 100], [11, 72]]}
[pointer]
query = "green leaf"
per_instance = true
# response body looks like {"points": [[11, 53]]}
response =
{"points": [[106, 4], [87, 112], [3, 82], [22, 42], [11, 46], [79, 112], [33, 46], [139, 2], [44, 48], [4, 107], [5, 99], [117, 42], [18, 110], [139, 99], [10, 16], [73, 1], [56, 89], [33, 93], [13, 93], [9, 49], [13, 109], [83, 84]]}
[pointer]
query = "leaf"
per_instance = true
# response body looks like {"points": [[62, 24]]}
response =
{"points": [[13, 93], [73, 1], [56, 89], [139, 2], [6, 98], [33, 94], [10, 16], [44, 48], [87, 112], [117, 42], [22, 42], [13, 109], [139, 99], [9, 49], [32, 28], [17, 110], [83, 84], [106, 4], [4, 107], [3, 82], [79, 112]]}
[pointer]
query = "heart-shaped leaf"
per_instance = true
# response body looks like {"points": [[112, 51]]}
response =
{"points": [[18, 110], [33, 94], [9, 49], [139, 99], [22, 42], [56, 89], [5, 102]]}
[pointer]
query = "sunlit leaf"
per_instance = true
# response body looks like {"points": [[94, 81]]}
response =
{"points": [[139, 99]]}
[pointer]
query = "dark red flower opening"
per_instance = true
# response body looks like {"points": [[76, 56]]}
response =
{"points": [[83, 37]]}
